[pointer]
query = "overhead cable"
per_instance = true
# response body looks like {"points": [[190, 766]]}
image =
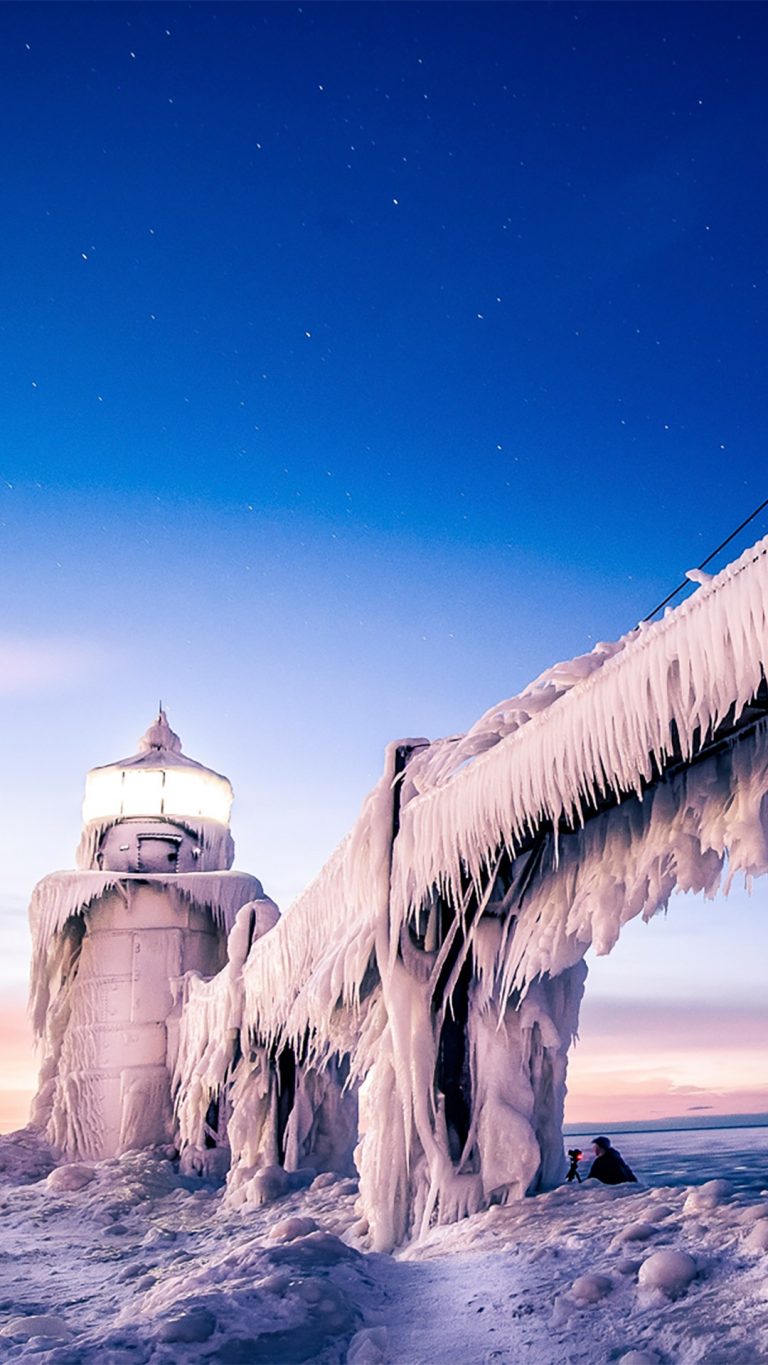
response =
{"points": [[686, 581]]}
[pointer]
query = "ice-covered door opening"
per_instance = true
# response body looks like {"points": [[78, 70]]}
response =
{"points": [[158, 853], [453, 1076], [286, 1080]]}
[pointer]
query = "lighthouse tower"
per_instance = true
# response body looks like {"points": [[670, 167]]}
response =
{"points": [[153, 897]]}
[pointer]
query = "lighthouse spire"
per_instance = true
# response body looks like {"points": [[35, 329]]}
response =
{"points": [[160, 736]]}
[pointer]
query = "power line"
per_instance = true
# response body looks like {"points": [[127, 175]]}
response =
{"points": [[686, 581]]}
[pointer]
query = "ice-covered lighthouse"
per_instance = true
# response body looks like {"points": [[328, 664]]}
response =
{"points": [[153, 897]]}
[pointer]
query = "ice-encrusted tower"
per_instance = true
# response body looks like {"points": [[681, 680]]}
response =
{"points": [[154, 897]]}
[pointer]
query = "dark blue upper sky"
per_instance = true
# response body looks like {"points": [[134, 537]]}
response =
{"points": [[452, 267], [359, 360]]}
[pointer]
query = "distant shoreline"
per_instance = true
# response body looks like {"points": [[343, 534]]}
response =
{"points": [[674, 1124]]}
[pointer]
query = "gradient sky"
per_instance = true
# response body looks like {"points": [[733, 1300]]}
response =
{"points": [[359, 361]]}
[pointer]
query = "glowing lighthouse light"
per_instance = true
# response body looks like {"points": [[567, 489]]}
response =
{"points": [[158, 781]]}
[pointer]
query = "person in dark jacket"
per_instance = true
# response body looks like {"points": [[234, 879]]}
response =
{"points": [[609, 1166]]}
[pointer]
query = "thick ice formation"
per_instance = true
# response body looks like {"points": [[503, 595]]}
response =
{"points": [[213, 840], [437, 958], [621, 713], [63, 896], [112, 942]]}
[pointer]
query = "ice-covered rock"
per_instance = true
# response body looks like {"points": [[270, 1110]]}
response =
{"points": [[37, 1325], [194, 1324], [288, 1229], [708, 1196], [322, 1181], [268, 1184], [669, 1270], [316, 1250], [591, 1288], [752, 1213], [70, 1178], [627, 1266], [25, 1157], [636, 1232], [326, 1300], [368, 1347], [757, 1238]]}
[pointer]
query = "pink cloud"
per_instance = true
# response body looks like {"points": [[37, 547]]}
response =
{"points": [[625, 1101], [46, 663]]}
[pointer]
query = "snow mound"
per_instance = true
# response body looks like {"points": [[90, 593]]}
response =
{"points": [[710, 1195], [591, 1288], [36, 1325], [278, 1305], [636, 1232], [288, 1229], [670, 1271], [757, 1239], [70, 1178], [196, 1324]]}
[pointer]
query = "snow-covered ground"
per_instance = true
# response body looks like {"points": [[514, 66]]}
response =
{"points": [[128, 1262]]}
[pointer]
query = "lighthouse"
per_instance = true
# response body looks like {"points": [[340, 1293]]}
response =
{"points": [[152, 898]]}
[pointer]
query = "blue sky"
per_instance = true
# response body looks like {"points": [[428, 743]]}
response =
{"points": [[359, 361]]}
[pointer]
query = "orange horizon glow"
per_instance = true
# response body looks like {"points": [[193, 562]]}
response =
{"points": [[14, 1109], [18, 1066]]}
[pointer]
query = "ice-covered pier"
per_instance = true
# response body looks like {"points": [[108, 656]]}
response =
{"points": [[412, 1012]]}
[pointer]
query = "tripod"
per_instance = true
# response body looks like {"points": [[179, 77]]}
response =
{"points": [[573, 1169]]}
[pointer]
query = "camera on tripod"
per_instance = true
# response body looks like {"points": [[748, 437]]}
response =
{"points": [[573, 1169]]}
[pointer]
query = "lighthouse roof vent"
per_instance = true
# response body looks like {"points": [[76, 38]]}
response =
{"points": [[159, 780]]}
